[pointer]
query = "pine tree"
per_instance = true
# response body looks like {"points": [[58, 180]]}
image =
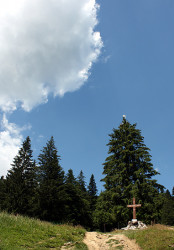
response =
{"points": [[167, 212], [81, 182], [21, 182], [76, 203], [51, 180], [92, 197], [2, 193], [92, 188], [77, 208], [128, 173], [49, 167], [92, 192], [70, 179]]}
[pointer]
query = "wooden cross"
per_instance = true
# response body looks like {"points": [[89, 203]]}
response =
{"points": [[134, 208]]}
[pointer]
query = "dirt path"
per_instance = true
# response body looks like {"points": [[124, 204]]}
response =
{"points": [[96, 241]]}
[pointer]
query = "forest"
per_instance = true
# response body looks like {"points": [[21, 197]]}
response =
{"points": [[41, 188]]}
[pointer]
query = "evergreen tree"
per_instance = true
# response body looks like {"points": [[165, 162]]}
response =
{"points": [[76, 203], [70, 179], [92, 196], [81, 182], [167, 213], [21, 184], [2, 193], [92, 192], [51, 180], [49, 167], [77, 208], [128, 173], [92, 188]]}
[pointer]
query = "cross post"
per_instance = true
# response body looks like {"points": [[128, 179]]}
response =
{"points": [[134, 206]]}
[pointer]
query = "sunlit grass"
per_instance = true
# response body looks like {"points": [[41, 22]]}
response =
{"points": [[157, 237], [18, 232]]}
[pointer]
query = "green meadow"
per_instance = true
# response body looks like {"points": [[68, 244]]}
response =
{"points": [[157, 237], [18, 232]]}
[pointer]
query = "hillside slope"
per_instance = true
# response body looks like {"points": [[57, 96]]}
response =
{"points": [[18, 232]]}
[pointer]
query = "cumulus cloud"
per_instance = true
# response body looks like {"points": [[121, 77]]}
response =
{"points": [[46, 47], [10, 142]]}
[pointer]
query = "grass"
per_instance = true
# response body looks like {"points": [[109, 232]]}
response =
{"points": [[80, 246], [113, 244], [157, 237], [18, 232], [113, 241]]}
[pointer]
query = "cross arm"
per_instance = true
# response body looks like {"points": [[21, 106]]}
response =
{"points": [[138, 205]]}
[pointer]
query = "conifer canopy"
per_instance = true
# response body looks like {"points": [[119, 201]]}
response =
{"points": [[128, 172]]}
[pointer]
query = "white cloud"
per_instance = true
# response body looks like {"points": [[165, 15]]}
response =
{"points": [[46, 47], [10, 142]]}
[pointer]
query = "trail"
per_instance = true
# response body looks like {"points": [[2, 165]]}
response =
{"points": [[96, 241]]}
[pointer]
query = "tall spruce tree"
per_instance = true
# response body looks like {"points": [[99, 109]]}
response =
{"points": [[92, 196], [70, 179], [51, 180], [2, 193], [81, 181], [128, 173], [92, 192], [167, 212], [21, 183], [76, 203], [92, 187]]}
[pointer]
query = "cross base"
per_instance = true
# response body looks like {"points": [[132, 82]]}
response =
{"points": [[134, 221], [139, 225]]}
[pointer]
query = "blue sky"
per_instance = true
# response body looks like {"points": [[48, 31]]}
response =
{"points": [[132, 75]]}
